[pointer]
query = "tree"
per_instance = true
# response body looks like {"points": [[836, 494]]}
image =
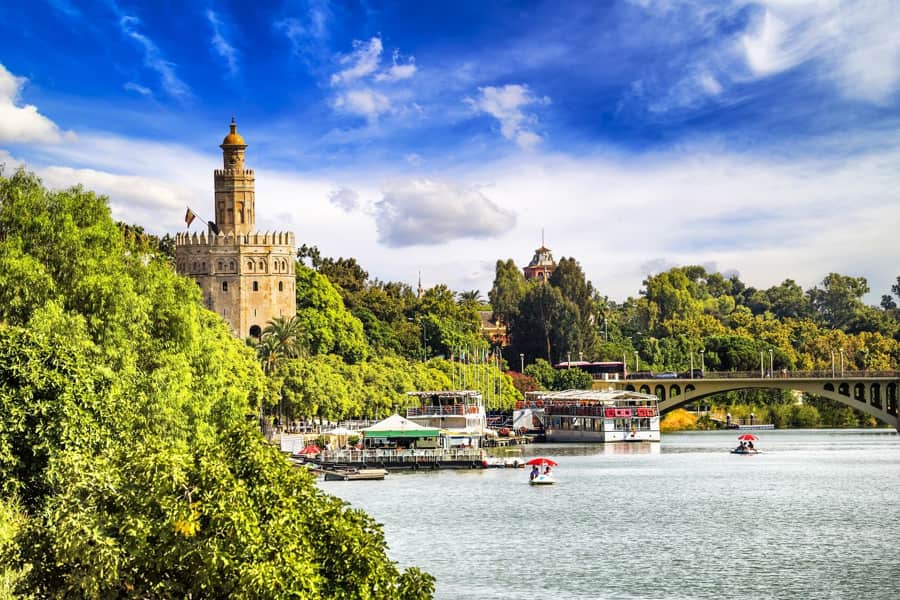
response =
{"points": [[839, 299], [508, 290], [327, 326], [288, 334], [532, 331]]}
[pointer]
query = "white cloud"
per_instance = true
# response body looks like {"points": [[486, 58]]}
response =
{"points": [[505, 104], [137, 88], [23, 124], [135, 199], [221, 45], [363, 102], [426, 212], [154, 60], [344, 198], [363, 61], [398, 71]]}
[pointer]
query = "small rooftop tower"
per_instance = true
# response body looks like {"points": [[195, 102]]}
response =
{"points": [[542, 264]]}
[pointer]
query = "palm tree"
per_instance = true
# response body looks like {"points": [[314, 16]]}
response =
{"points": [[470, 297], [269, 353], [287, 335]]}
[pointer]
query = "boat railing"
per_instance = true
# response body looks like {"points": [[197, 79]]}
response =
{"points": [[450, 410], [396, 456]]}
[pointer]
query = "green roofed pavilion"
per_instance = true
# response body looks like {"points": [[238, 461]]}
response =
{"points": [[396, 426]]}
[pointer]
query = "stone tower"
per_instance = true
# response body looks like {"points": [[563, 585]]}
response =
{"points": [[247, 277]]}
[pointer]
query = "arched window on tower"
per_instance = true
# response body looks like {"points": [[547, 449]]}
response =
{"points": [[231, 265], [280, 286], [250, 265], [224, 286], [255, 286]]}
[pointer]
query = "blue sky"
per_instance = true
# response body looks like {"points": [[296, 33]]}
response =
{"points": [[756, 137]]}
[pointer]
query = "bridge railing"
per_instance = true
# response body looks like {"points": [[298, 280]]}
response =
{"points": [[783, 374]]}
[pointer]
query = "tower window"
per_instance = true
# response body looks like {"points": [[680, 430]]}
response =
{"points": [[224, 286], [255, 286], [280, 286]]}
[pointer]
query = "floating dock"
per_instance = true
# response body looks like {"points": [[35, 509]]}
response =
{"points": [[397, 460]]}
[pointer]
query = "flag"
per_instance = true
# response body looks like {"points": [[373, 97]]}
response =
{"points": [[213, 227], [189, 217]]}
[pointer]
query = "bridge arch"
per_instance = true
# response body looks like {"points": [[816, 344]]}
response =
{"points": [[874, 396]]}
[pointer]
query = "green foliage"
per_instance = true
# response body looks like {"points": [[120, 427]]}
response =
{"points": [[127, 464], [508, 290], [558, 379], [328, 327]]}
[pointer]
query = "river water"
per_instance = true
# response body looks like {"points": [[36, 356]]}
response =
{"points": [[816, 515]]}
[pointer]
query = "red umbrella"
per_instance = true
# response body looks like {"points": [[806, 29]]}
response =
{"points": [[747, 437], [311, 449], [541, 462]]}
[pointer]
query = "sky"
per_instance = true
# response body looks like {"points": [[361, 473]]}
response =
{"points": [[757, 138]]}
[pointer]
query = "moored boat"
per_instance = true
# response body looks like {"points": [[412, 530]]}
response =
{"points": [[597, 415]]}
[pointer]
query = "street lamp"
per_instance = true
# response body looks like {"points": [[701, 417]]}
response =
{"points": [[568, 360], [702, 365], [771, 364], [637, 363], [762, 365], [842, 362], [522, 362], [832, 363], [692, 364]]}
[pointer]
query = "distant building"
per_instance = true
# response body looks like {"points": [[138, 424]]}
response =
{"points": [[493, 329], [541, 266], [246, 276]]}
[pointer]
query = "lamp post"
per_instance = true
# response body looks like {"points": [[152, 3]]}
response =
{"points": [[771, 364], [842, 362], [637, 362], [692, 364], [522, 362], [702, 365], [605, 330], [424, 343], [568, 360], [832, 363], [762, 365]]}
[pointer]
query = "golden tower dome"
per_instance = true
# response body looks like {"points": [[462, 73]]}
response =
{"points": [[233, 138]]}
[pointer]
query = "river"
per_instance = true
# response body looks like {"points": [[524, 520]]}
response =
{"points": [[816, 515]]}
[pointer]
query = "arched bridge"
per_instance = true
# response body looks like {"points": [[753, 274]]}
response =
{"points": [[874, 393]]}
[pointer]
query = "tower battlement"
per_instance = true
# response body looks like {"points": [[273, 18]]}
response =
{"points": [[233, 172], [257, 238]]}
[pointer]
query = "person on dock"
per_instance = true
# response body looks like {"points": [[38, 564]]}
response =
{"points": [[535, 471]]}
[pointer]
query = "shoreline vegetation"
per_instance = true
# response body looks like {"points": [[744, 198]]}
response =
{"points": [[131, 462]]}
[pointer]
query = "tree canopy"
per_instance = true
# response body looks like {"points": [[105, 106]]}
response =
{"points": [[129, 460]]}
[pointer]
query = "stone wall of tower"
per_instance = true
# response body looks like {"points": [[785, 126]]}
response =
{"points": [[235, 200], [246, 279]]}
